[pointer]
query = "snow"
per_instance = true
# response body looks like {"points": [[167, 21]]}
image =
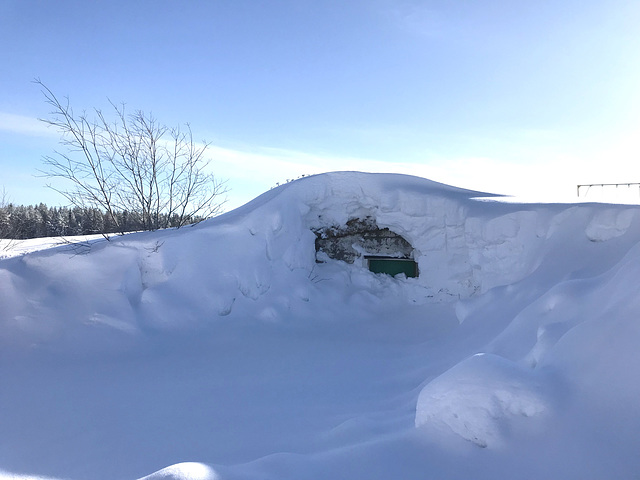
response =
{"points": [[477, 397], [224, 351], [13, 248], [184, 471]]}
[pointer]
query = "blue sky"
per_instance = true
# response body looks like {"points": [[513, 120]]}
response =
{"points": [[510, 96]]}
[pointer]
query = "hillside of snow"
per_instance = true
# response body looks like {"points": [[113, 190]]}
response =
{"points": [[233, 350]]}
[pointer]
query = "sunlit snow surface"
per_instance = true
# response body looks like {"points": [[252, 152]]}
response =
{"points": [[224, 351]]}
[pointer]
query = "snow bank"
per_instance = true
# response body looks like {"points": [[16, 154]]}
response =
{"points": [[479, 397], [227, 343], [185, 471], [243, 263]]}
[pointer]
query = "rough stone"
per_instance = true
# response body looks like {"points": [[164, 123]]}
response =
{"points": [[361, 237]]}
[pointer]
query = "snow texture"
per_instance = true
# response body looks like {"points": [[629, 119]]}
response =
{"points": [[225, 351]]}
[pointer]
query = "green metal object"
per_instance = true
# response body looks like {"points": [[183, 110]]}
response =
{"points": [[393, 266]]}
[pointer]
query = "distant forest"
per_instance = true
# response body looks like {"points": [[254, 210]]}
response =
{"points": [[34, 221]]}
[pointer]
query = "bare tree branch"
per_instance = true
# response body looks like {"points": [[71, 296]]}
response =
{"points": [[132, 163]]}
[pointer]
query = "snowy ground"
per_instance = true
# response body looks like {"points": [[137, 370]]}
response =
{"points": [[224, 351], [14, 248]]}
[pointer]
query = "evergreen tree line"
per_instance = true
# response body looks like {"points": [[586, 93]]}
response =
{"points": [[21, 222]]}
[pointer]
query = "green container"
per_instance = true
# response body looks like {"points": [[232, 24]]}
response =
{"points": [[393, 266]]}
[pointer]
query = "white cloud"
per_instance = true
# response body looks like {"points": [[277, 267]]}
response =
{"points": [[544, 174], [252, 173], [546, 170], [24, 125]]}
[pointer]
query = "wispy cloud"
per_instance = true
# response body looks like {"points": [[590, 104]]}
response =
{"points": [[548, 173], [538, 165], [252, 173], [24, 125]]}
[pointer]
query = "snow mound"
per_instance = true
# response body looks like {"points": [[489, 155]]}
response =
{"points": [[185, 471], [537, 332], [479, 397], [11, 476], [609, 223], [230, 344], [242, 264]]}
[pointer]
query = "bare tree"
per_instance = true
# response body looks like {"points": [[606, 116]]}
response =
{"points": [[132, 163]]}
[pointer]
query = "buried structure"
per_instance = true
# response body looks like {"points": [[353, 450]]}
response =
{"points": [[362, 240]]}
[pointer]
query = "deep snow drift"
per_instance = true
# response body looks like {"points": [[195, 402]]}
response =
{"points": [[225, 351]]}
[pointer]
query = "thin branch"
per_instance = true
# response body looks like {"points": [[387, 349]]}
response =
{"points": [[127, 165]]}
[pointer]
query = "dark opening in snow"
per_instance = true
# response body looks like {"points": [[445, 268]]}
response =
{"points": [[385, 251]]}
